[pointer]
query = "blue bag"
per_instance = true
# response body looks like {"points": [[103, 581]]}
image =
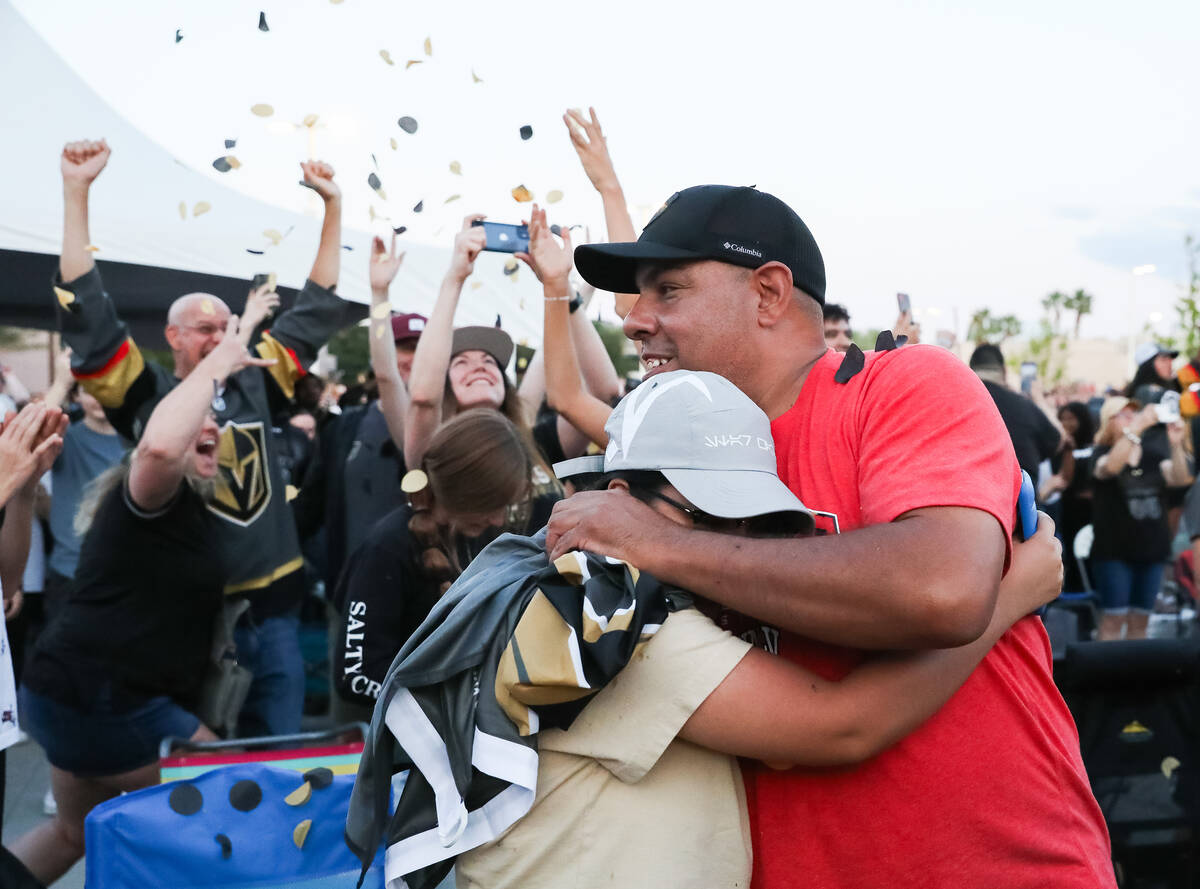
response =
{"points": [[235, 827]]}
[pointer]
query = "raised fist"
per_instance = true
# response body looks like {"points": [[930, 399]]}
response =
{"points": [[318, 176], [83, 161]]}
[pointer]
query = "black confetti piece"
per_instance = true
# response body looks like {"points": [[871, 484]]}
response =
{"points": [[245, 795], [221, 165], [226, 845], [347, 247], [885, 342], [262, 22], [408, 124], [854, 362], [186, 799], [419, 207], [319, 778], [526, 132], [230, 143], [399, 229], [373, 181], [255, 252], [498, 321], [556, 229], [375, 162], [178, 35]]}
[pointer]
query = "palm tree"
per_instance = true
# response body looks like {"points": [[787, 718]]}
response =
{"points": [[1054, 304], [1079, 302]]}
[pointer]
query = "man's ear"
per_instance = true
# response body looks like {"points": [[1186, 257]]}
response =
{"points": [[773, 286], [172, 335], [618, 484]]}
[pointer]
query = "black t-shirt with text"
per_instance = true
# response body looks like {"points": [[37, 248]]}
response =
{"points": [[1129, 511]]}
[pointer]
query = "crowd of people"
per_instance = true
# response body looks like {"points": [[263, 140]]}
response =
{"points": [[801, 490]]}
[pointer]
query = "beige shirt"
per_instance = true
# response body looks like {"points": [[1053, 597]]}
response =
{"points": [[619, 801]]}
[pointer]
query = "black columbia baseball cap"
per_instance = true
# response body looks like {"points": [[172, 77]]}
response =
{"points": [[738, 225]]}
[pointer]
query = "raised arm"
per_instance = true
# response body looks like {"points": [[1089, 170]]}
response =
{"points": [[599, 374], [393, 394], [592, 148], [81, 163], [564, 385], [427, 382], [1177, 470], [56, 395], [811, 721], [162, 455], [318, 176]]}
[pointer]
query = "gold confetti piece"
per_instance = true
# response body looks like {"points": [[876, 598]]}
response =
{"points": [[65, 297], [233, 162], [381, 311], [371, 212], [336, 2], [206, 306], [262, 109], [290, 493], [553, 196], [1169, 765], [271, 281], [300, 795], [379, 331], [183, 209], [475, 285], [452, 199], [456, 168], [300, 834], [414, 480], [310, 119], [394, 143], [411, 62], [92, 248], [475, 78], [521, 194], [386, 56], [201, 208], [428, 46], [510, 267], [273, 236]]}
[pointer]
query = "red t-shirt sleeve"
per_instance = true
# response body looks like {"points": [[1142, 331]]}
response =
{"points": [[930, 435]]}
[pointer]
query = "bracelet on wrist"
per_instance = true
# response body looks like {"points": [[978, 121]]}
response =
{"points": [[556, 299], [1133, 437]]}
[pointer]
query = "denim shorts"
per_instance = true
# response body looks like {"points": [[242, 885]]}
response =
{"points": [[101, 742], [1127, 586]]}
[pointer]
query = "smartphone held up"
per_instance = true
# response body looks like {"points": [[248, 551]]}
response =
{"points": [[504, 237]]}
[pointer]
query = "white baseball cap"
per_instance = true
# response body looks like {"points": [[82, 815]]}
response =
{"points": [[700, 431]]}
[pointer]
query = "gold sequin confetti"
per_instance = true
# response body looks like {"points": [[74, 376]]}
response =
{"points": [[394, 143], [456, 168], [414, 480], [381, 311], [475, 78], [273, 236], [1169, 765], [201, 208], [379, 331], [206, 306], [428, 46], [386, 56], [65, 297], [183, 209], [262, 109], [310, 119], [553, 196], [300, 834], [92, 248], [452, 199], [300, 795], [521, 194], [411, 62]]}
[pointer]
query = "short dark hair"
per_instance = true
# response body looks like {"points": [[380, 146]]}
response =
{"points": [[986, 357], [836, 312]]}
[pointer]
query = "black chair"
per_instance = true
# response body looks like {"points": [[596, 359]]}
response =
{"points": [[1137, 706]]}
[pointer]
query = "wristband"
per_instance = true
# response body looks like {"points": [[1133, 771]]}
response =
{"points": [[556, 299], [1132, 437]]}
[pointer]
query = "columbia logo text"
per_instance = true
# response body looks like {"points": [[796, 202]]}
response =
{"points": [[738, 248]]}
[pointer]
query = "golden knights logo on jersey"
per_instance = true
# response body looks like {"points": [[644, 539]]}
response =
{"points": [[243, 480]]}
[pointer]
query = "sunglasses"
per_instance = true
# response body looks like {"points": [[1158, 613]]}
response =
{"points": [[769, 525]]}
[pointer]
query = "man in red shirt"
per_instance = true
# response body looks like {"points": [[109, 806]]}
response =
{"points": [[905, 451]]}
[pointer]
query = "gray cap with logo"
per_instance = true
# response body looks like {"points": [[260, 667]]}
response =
{"points": [[700, 431]]}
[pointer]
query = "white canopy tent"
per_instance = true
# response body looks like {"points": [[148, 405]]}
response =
{"points": [[135, 215]]}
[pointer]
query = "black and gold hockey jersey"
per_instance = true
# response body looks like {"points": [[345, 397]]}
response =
{"points": [[258, 533]]}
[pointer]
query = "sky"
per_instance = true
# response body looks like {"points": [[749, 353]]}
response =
{"points": [[970, 154]]}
